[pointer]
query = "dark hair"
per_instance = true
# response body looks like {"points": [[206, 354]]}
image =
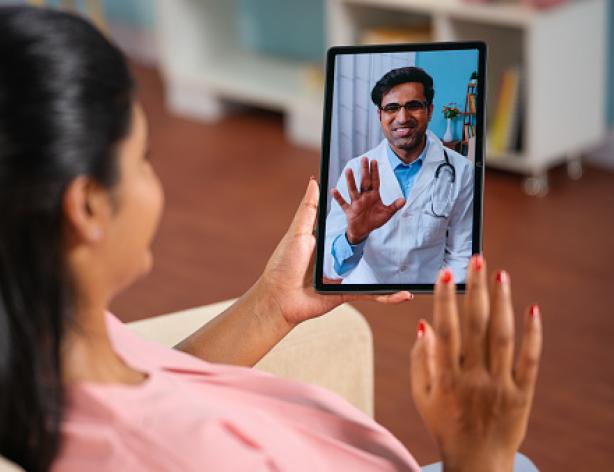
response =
{"points": [[65, 101], [400, 76]]}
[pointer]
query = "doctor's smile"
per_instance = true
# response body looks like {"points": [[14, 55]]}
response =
{"points": [[404, 131]]}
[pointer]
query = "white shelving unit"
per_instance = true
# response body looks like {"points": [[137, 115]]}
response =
{"points": [[562, 53], [206, 70]]}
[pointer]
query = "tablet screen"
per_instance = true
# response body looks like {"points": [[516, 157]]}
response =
{"points": [[402, 166]]}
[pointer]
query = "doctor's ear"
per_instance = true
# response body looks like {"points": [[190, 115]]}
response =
{"points": [[431, 107], [87, 209]]}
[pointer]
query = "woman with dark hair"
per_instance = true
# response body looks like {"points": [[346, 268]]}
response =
{"points": [[79, 206]]}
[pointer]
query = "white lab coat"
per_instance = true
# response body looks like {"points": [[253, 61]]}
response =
{"points": [[413, 245]]}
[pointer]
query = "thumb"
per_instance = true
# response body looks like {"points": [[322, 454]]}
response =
{"points": [[305, 216], [396, 205]]}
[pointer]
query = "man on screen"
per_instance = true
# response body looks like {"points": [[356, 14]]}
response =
{"points": [[403, 210]]}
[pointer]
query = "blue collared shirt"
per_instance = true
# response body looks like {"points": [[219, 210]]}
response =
{"points": [[346, 256]]}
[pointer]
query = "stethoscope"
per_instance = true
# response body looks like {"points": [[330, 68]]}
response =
{"points": [[441, 202]]}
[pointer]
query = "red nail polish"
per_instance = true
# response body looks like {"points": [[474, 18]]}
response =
{"points": [[446, 276], [534, 311], [501, 276], [421, 329], [478, 262]]}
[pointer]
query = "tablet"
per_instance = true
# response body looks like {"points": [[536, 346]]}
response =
{"points": [[402, 166]]}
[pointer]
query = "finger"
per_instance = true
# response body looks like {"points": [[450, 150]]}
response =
{"points": [[339, 199], [365, 176], [396, 205], [353, 191], [475, 316], [305, 217], [422, 368], [326, 280], [530, 351], [392, 298], [501, 329], [374, 175], [445, 323]]}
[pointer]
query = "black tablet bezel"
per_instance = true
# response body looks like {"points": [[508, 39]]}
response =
{"points": [[325, 160]]}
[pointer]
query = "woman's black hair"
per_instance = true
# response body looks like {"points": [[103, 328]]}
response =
{"points": [[399, 76], [66, 97]]}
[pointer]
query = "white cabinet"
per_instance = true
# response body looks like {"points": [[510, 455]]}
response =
{"points": [[562, 53], [206, 69]]}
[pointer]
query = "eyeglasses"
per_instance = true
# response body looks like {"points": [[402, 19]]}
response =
{"points": [[413, 106]]}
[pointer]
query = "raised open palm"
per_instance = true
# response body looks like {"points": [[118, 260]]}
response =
{"points": [[472, 398], [366, 211]]}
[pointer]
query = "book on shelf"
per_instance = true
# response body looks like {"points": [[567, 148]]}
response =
{"points": [[505, 131], [468, 131], [471, 100], [420, 33]]}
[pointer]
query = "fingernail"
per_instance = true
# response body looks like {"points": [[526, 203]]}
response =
{"points": [[421, 329], [534, 311], [312, 178], [478, 262], [411, 296], [446, 276], [501, 277]]}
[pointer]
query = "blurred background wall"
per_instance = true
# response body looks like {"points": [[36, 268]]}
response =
{"points": [[291, 28]]}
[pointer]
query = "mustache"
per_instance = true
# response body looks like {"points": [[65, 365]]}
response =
{"points": [[409, 123]]}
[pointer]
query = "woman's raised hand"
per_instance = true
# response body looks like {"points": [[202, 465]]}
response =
{"points": [[472, 399]]}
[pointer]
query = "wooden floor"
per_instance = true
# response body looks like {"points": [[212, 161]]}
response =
{"points": [[232, 187]]}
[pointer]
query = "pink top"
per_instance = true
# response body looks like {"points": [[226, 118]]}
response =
{"points": [[192, 415]]}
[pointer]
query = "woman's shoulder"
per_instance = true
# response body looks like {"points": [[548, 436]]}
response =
{"points": [[147, 355]]}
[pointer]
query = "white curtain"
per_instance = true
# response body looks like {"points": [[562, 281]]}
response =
{"points": [[355, 126]]}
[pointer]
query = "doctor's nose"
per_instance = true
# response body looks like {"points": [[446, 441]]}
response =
{"points": [[404, 118], [402, 115]]}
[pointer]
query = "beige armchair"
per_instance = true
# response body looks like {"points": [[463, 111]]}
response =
{"points": [[334, 351]]}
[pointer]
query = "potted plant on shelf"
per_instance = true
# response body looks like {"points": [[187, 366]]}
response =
{"points": [[450, 111]]}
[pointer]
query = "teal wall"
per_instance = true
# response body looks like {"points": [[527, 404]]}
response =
{"points": [[451, 71], [293, 28], [140, 13]]}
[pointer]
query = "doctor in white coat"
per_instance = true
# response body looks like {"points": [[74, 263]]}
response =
{"points": [[404, 210]]}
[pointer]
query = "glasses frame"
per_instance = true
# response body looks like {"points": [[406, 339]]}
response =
{"points": [[425, 105]]}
